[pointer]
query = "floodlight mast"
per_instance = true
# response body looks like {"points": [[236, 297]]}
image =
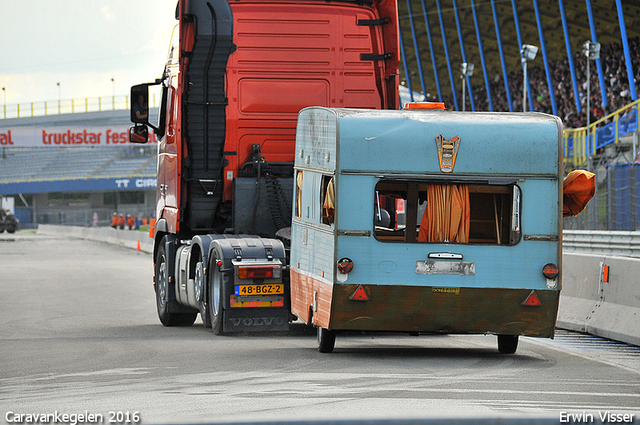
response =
{"points": [[466, 70], [592, 51], [528, 53]]}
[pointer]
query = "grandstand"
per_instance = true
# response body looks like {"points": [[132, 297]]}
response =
{"points": [[36, 165], [67, 185], [439, 35]]}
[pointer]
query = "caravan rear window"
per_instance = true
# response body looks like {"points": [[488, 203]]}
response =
{"points": [[406, 211]]}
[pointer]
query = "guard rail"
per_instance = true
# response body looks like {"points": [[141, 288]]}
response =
{"points": [[615, 243]]}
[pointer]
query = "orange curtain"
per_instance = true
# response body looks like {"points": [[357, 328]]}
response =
{"points": [[299, 194], [328, 206], [447, 215]]}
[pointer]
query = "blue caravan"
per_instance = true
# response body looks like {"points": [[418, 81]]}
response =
{"points": [[427, 221]]}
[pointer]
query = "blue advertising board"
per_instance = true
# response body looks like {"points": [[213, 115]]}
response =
{"points": [[79, 185]]}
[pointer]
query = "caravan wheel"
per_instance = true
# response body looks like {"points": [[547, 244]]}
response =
{"points": [[326, 340]]}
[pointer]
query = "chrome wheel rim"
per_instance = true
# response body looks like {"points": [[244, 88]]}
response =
{"points": [[162, 282]]}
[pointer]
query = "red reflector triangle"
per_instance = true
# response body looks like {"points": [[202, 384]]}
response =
{"points": [[360, 294], [532, 300]]}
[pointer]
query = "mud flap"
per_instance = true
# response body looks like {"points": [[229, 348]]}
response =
{"points": [[256, 320]]}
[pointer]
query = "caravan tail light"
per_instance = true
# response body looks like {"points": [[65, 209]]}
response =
{"points": [[258, 272], [550, 271], [345, 265]]}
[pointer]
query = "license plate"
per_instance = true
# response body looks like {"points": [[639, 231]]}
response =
{"points": [[264, 289], [446, 267]]}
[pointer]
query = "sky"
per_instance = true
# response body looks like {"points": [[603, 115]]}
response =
{"points": [[82, 45]]}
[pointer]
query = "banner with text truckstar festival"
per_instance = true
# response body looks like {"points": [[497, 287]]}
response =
{"points": [[29, 137]]}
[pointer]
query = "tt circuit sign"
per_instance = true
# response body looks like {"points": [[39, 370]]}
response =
{"points": [[141, 183], [66, 136], [79, 185]]}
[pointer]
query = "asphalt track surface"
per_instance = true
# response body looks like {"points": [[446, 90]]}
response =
{"points": [[79, 335]]}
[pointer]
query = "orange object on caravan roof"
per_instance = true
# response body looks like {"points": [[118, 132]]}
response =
{"points": [[577, 190], [424, 105]]}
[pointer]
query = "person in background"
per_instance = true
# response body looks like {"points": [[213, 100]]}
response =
{"points": [[137, 221]]}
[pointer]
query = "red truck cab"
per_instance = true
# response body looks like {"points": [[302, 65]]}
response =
{"points": [[236, 77]]}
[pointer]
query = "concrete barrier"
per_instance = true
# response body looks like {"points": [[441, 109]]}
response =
{"points": [[601, 296], [127, 238]]}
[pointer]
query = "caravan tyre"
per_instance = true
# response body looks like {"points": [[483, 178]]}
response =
{"points": [[326, 340]]}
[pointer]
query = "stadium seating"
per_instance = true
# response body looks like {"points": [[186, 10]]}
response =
{"points": [[608, 34], [45, 164]]}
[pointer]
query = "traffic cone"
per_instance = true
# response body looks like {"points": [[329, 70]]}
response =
{"points": [[138, 247]]}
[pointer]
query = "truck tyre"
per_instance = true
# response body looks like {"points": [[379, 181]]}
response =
{"points": [[326, 340], [215, 297], [507, 344], [204, 306], [162, 286]]}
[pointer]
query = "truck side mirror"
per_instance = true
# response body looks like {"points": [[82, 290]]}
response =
{"points": [[139, 134], [140, 104]]}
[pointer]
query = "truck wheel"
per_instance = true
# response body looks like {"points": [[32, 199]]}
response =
{"points": [[215, 297], [201, 283], [326, 340], [162, 287], [507, 344]]}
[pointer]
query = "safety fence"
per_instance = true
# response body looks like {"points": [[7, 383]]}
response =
{"points": [[619, 244], [32, 217], [71, 106], [579, 146], [616, 204]]}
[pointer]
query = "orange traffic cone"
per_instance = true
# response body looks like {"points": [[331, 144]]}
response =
{"points": [[138, 247]]}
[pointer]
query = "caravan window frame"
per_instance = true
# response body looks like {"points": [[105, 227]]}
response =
{"points": [[494, 211], [309, 197]]}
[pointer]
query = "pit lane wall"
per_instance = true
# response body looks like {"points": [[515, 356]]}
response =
{"points": [[601, 284], [605, 304], [126, 238]]}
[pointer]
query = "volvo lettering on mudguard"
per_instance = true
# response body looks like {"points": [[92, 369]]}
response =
{"points": [[258, 321], [273, 322]]}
